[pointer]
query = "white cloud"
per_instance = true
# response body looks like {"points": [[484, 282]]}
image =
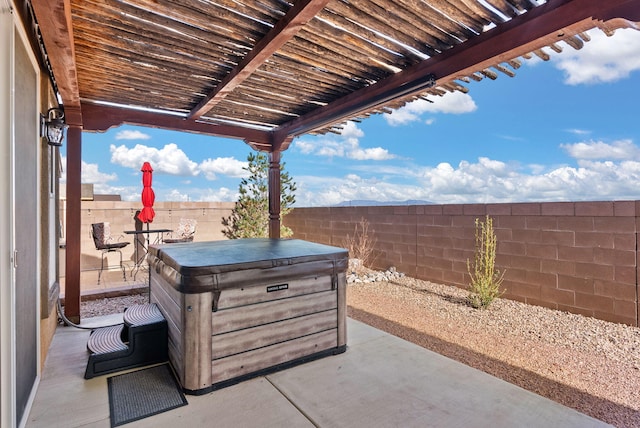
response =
{"points": [[323, 191], [511, 138], [222, 194], [483, 181], [330, 148], [169, 159], [537, 169], [619, 150], [127, 193], [494, 181], [449, 103], [132, 135], [192, 194], [305, 147], [91, 174], [376, 153], [226, 166], [589, 181], [346, 145], [176, 195], [403, 115], [603, 59], [351, 130], [579, 131]]}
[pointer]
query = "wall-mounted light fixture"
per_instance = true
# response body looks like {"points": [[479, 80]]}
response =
{"points": [[52, 126]]}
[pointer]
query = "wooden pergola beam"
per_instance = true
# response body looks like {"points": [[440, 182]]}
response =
{"points": [[281, 33], [73, 227], [533, 30], [274, 194], [54, 19]]}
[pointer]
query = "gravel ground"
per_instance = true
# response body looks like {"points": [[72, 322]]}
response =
{"points": [[114, 305], [590, 365]]}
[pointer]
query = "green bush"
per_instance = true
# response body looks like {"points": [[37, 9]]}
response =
{"points": [[485, 278]]}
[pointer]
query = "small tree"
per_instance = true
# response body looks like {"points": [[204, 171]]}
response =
{"points": [[485, 278], [250, 216]]}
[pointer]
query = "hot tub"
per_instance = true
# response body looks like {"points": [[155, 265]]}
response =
{"points": [[242, 308]]}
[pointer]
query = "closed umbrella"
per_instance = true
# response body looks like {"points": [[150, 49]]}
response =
{"points": [[148, 197]]}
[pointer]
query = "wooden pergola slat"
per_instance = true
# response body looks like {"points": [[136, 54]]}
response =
{"points": [[282, 32]]}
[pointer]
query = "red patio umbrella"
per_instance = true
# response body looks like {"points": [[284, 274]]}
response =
{"points": [[148, 197]]}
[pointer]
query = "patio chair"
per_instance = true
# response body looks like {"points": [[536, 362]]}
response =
{"points": [[104, 242], [185, 232]]}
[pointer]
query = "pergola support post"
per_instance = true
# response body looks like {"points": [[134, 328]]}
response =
{"points": [[73, 222], [274, 194]]}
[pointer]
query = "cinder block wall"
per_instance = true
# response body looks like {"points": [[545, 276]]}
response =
{"points": [[579, 257]]}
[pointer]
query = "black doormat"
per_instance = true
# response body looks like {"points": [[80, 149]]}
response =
{"points": [[137, 395]]}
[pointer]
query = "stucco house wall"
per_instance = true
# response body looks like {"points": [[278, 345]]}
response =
{"points": [[26, 329]]}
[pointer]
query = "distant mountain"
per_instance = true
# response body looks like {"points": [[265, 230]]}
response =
{"points": [[368, 203]]}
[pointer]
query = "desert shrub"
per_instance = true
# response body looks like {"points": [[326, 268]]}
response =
{"points": [[485, 278], [360, 246]]}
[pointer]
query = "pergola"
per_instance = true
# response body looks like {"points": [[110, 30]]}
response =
{"points": [[267, 71]]}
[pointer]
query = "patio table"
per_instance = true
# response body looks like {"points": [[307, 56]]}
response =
{"points": [[141, 247]]}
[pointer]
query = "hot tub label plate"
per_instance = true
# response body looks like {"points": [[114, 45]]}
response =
{"points": [[272, 288]]}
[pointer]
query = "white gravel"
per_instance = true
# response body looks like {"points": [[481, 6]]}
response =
{"points": [[112, 305]]}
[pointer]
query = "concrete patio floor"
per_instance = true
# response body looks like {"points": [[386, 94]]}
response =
{"points": [[381, 381]]}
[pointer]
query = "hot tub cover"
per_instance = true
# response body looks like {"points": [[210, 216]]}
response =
{"points": [[198, 267]]}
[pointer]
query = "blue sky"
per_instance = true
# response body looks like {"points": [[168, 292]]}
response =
{"points": [[563, 130]]}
